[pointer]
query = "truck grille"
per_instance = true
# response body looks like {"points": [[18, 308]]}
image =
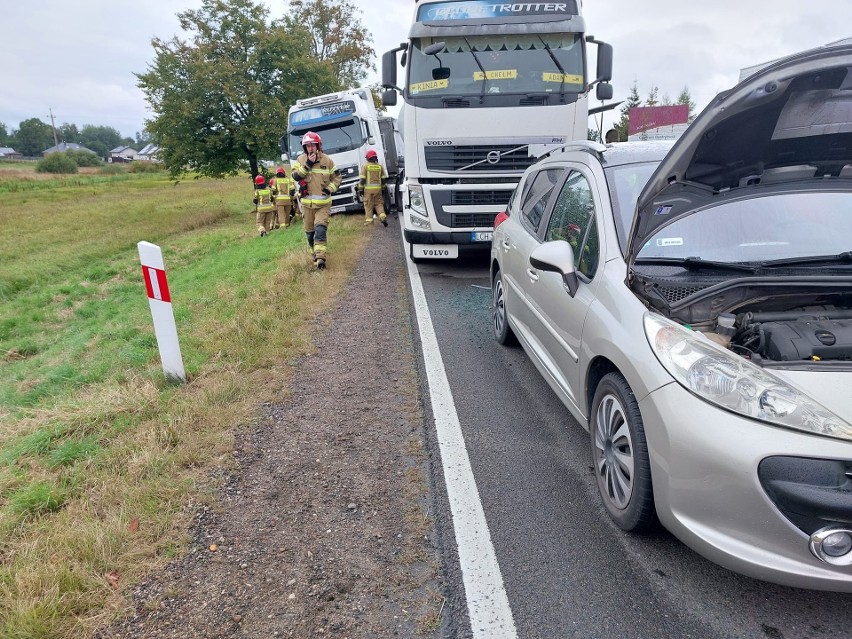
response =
{"points": [[468, 220], [479, 198], [455, 158]]}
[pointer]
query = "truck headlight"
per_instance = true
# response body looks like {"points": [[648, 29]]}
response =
{"points": [[416, 200], [719, 377]]}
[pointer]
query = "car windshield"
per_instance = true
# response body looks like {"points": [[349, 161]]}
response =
{"points": [[472, 65], [758, 229], [337, 137], [625, 183]]}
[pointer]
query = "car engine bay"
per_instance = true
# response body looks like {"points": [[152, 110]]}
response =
{"points": [[768, 320]]}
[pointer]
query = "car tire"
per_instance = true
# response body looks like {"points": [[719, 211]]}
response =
{"points": [[499, 318], [620, 455]]}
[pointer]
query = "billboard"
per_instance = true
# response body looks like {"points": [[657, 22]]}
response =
{"points": [[652, 117]]}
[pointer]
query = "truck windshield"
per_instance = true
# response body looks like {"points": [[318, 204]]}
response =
{"points": [[336, 137], [512, 64]]}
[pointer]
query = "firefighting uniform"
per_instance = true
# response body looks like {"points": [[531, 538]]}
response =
{"points": [[371, 183], [283, 189], [316, 205], [264, 207]]}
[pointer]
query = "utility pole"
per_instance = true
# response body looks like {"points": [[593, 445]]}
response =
{"points": [[53, 125]]}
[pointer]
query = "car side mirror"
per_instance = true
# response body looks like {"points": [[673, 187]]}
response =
{"points": [[557, 257]]}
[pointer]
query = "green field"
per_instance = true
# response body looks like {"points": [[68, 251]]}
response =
{"points": [[99, 452]]}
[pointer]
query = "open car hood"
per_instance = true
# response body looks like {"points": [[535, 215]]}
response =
{"points": [[790, 121]]}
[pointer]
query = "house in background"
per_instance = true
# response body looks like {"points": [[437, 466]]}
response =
{"points": [[9, 153], [123, 154], [66, 146], [149, 153]]}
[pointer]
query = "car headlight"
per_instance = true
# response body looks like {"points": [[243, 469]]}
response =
{"points": [[722, 378], [416, 201]]}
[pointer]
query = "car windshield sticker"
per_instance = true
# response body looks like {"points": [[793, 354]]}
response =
{"points": [[670, 241], [431, 85], [663, 210], [501, 74], [557, 77]]}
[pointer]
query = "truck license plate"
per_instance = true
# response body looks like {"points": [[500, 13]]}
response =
{"points": [[437, 251], [481, 236]]}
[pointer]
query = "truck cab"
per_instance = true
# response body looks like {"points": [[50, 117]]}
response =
{"points": [[349, 124]]}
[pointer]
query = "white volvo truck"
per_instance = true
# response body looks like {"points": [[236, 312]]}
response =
{"points": [[488, 88], [349, 124]]}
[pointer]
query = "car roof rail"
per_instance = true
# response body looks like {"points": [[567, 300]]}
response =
{"points": [[589, 146]]}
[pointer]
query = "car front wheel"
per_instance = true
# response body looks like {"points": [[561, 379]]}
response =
{"points": [[502, 331], [620, 455]]}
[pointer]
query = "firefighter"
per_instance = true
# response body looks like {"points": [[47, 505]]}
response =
{"points": [[263, 205], [283, 189], [318, 179], [372, 188]]}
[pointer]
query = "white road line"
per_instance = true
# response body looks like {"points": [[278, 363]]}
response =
{"points": [[487, 603]]}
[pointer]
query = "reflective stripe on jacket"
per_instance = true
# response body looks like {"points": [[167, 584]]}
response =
{"points": [[282, 187], [263, 200], [372, 176], [322, 175]]}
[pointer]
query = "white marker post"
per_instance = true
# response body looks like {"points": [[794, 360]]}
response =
{"points": [[154, 272]]}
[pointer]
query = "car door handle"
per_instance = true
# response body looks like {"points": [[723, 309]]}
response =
{"points": [[506, 245], [533, 274]]}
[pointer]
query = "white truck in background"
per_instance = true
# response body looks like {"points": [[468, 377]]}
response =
{"points": [[488, 88], [349, 124]]}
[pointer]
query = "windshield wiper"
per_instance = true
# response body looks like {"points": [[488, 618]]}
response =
{"points": [[696, 263], [846, 256], [558, 66], [481, 68]]}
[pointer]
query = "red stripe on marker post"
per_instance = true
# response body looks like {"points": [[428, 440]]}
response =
{"points": [[156, 283], [160, 303]]}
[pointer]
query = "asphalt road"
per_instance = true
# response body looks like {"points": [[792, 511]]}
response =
{"points": [[568, 571]]}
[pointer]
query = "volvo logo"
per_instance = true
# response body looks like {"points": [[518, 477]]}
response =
{"points": [[493, 157]]}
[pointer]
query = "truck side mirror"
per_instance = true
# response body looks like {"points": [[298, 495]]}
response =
{"points": [[389, 98], [604, 91], [604, 70], [389, 69]]}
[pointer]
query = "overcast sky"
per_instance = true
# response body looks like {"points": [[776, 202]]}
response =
{"points": [[78, 59]]}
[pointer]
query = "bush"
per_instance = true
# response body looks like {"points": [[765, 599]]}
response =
{"points": [[112, 169], [138, 166], [56, 163], [84, 158]]}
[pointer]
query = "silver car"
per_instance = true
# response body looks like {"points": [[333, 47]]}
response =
{"points": [[691, 304]]}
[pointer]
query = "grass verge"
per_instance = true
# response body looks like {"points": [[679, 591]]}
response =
{"points": [[100, 456]]}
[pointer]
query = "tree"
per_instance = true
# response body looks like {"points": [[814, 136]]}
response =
{"points": [[623, 125], [68, 132], [33, 137], [100, 139], [336, 35], [4, 135], [220, 99], [143, 138], [685, 98], [652, 97]]}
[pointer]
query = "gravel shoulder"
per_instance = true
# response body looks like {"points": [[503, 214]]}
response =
{"points": [[325, 524]]}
